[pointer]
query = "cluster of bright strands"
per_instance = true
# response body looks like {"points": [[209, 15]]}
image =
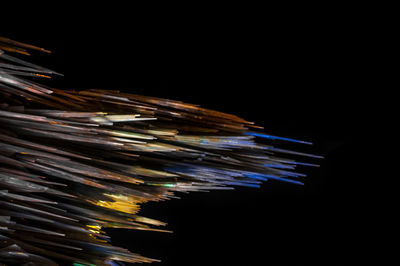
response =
{"points": [[74, 162]]}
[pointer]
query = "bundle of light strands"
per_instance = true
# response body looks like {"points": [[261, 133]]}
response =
{"points": [[74, 162]]}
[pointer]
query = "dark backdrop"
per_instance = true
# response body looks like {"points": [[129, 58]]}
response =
{"points": [[292, 81]]}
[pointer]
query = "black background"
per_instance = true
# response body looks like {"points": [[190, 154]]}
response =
{"points": [[293, 79]]}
